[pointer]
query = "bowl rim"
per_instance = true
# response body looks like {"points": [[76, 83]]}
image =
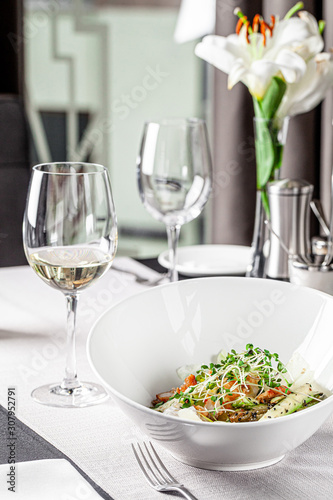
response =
{"points": [[150, 411]]}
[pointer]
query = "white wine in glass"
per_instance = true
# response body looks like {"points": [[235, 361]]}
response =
{"points": [[70, 240], [174, 172]]}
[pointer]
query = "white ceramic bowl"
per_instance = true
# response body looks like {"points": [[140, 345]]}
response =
{"points": [[138, 344]]}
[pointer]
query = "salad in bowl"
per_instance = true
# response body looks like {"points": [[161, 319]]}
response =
{"points": [[138, 345], [240, 387]]}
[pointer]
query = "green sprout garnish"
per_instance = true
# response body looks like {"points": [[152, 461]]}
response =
{"points": [[231, 379]]}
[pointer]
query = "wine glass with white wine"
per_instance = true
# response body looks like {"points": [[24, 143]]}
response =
{"points": [[174, 175], [70, 240]]}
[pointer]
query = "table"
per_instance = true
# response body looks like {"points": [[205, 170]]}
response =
{"points": [[97, 439]]}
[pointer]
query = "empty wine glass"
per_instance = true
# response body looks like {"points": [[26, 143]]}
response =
{"points": [[70, 240], [174, 175]]}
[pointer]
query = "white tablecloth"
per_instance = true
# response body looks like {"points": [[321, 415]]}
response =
{"points": [[97, 439]]}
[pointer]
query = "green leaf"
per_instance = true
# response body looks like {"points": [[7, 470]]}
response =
{"points": [[268, 148], [273, 97], [265, 202], [265, 153], [257, 108]]}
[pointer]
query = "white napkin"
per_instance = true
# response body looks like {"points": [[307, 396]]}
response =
{"points": [[45, 480]]}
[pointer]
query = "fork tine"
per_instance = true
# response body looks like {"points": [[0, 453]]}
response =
{"points": [[150, 469], [169, 476], [155, 475], [160, 478], [161, 482], [153, 468], [141, 465]]}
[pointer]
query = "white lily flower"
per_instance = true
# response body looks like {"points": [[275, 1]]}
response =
{"points": [[254, 58], [300, 34], [307, 93]]}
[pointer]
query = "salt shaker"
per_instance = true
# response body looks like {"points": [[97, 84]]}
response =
{"points": [[289, 201]]}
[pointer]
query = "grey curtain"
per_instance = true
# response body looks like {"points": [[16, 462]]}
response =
{"points": [[308, 152], [14, 151]]}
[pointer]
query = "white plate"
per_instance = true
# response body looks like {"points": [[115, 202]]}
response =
{"points": [[209, 260]]}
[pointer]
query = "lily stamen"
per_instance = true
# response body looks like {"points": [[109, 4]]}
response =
{"points": [[241, 21], [269, 28], [263, 32], [264, 27], [247, 27], [256, 22]]}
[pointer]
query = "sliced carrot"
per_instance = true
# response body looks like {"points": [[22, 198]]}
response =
{"points": [[188, 382]]}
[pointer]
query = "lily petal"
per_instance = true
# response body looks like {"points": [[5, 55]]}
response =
{"points": [[311, 89], [237, 74], [261, 72], [308, 48], [296, 33], [221, 51], [292, 66], [310, 20], [260, 76]]}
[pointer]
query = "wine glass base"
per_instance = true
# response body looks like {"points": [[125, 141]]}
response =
{"points": [[87, 394]]}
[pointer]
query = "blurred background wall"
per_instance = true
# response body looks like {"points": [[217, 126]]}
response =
{"points": [[95, 71], [82, 76]]}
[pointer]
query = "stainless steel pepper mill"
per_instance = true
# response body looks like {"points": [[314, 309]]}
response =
{"points": [[289, 201]]}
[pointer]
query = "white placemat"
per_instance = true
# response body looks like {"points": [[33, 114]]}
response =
{"points": [[98, 438]]}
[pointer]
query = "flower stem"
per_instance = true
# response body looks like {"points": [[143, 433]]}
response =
{"points": [[294, 9]]}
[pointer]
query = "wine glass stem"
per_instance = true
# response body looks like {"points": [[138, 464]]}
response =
{"points": [[70, 380], [173, 237]]}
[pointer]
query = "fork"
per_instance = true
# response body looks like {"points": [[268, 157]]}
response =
{"points": [[156, 473]]}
